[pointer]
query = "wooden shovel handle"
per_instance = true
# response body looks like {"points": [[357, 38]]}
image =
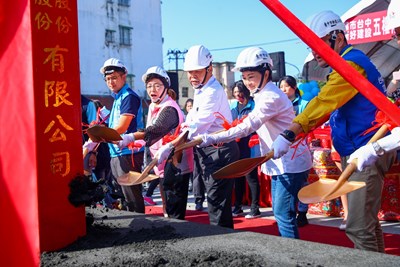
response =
{"points": [[153, 163], [352, 166], [189, 144], [193, 143], [179, 147]]}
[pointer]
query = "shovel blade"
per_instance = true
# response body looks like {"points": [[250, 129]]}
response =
{"points": [[238, 168], [133, 178], [319, 190], [103, 134], [148, 178], [241, 167]]}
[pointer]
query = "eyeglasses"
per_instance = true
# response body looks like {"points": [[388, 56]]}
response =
{"points": [[156, 86], [111, 79]]}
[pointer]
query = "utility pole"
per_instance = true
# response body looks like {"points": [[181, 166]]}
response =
{"points": [[176, 54]]}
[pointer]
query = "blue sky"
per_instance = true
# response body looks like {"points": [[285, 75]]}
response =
{"points": [[222, 25]]}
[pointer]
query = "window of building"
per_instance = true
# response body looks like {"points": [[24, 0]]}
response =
{"points": [[125, 34], [110, 1], [124, 2], [110, 36], [185, 92]]}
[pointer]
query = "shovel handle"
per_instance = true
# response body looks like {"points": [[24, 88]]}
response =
{"points": [[352, 167], [193, 143], [189, 144]]}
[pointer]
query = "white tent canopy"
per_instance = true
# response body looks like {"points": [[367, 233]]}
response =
{"points": [[384, 54]]}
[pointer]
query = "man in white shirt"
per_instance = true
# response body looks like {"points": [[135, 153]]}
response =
{"points": [[272, 113], [210, 103]]}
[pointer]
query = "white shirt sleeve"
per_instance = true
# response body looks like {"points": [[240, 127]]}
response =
{"points": [[391, 142]]}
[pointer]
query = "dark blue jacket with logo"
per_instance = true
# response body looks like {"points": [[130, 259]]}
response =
{"points": [[350, 121]]}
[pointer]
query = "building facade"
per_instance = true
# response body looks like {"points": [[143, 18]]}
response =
{"points": [[124, 29], [221, 71]]}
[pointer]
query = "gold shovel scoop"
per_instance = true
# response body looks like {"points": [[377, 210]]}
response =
{"points": [[103, 134], [133, 178], [241, 167], [98, 133], [327, 189]]}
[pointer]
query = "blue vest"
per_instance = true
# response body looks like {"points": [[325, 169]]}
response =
{"points": [[299, 104], [236, 114], [115, 116], [245, 151], [351, 120]]}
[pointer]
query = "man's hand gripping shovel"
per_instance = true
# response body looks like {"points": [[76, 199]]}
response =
{"points": [[133, 178], [98, 133], [327, 189]]}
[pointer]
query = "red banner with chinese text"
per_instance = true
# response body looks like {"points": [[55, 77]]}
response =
{"points": [[55, 54], [40, 144], [368, 27]]}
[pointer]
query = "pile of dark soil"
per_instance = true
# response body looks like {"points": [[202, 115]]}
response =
{"points": [[108, 243], [119, 238]]}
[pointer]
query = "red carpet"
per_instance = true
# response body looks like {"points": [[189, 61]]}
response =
{"points": [[314, 233]]}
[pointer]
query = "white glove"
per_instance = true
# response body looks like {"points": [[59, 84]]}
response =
{"points": [[89, 145], [208, 139], [365, 155], [280, 146], [163, 152], [184, 126], [126, 140]]}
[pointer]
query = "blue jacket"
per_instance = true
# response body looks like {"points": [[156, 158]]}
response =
{"points": [[299, 104], [351, 120], [243, 143], [126, 101]]}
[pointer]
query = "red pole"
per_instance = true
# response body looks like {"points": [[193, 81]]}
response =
{"points": [[334, 60]]}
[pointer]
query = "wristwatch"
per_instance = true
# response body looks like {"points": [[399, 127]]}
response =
{"points": [[378, 149], [289, 135]]}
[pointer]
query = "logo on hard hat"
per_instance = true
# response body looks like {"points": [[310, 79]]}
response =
{"points": [[262, 55], [332, 23]]}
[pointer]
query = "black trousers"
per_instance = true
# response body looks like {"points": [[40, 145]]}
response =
{"points": [[133, 194], [176, 197], [198, 182], [219, 191], [254, 185], [152, 187]]}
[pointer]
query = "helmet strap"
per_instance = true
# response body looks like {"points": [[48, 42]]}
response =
{"points": [[161, 96], [262, 78], [204, 79], [332, 39], [252, 92]]}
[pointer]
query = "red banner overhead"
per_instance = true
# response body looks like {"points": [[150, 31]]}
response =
{"points": [[368, 27]]}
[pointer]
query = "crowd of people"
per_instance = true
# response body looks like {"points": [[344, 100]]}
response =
{"points": [[275, 113]]}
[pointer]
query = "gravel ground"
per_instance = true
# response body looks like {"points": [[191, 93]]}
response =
{"points": [[118, 238]]}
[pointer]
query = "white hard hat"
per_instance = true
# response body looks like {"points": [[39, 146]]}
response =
{"points": [[112, 62], [156, 70], [252, 57], [325, 22], [393, 15], [198, 57]]}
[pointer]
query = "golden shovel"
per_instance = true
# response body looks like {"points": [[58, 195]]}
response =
{"points": [[99, 133], [327, 189], [241, 167], [133, 178]]}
